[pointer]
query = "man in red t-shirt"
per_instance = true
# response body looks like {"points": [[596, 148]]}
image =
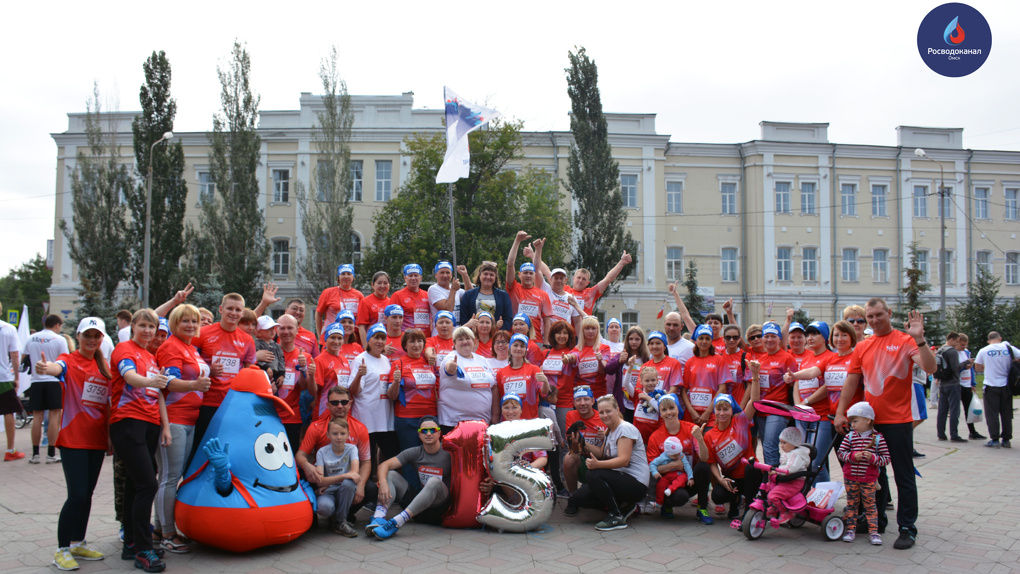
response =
{"points": [[593, 433], [298, 377], [885, 362]]}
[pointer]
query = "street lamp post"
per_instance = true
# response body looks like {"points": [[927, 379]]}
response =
{"points": [[942, 235], [148, 220]]}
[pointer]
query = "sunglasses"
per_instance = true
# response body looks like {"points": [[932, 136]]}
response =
{"points": [[343, 402], [429, 430], [753, 338], [732, 337], [858, 321]]}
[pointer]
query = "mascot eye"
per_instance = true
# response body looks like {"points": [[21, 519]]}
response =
{"points": [[267, 452], [286, 452]]}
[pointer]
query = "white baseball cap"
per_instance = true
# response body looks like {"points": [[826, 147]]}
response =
{"points": [[266, 322], [558, 270], [91, 323]]}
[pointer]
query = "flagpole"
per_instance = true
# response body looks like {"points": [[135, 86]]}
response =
{"points": [[453, 228]]}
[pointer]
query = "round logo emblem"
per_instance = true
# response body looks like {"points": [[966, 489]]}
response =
{"points": [[954, 40]]}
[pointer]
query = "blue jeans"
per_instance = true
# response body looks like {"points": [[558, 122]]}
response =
{"points": [[823, 439], [769, 429]]}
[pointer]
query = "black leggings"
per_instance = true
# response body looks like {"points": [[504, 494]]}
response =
{"points": [[702, 480], [135, 442], [748, 488], [607, 489], [386, 442], [81, 473]]}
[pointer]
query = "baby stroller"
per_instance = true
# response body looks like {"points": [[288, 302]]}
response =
{"points": [[756, 519]]}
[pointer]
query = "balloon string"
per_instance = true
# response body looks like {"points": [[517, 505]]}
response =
{"points": [[544, 529]]}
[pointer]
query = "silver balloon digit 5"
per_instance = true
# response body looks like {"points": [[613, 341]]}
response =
{"points": [[504, 443]]}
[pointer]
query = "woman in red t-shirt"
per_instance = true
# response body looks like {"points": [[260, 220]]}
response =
{"points": [[591, 357], [774, 364], [809, 390], [441, 345], [332, 367], [690, 436], [351, 347], [520, 378], [370, 309], [626, 366], [522, 325], [705, 376], [83, 439], [484, 326], [413, 390], [559, 366], [727, 443]]}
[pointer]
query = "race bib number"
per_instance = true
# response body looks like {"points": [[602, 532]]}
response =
{"points": [[728, 452], [152, 392], [700, 398], [561, 310], [763, 382], [343, 378], [516, 386], [288, 380], [553, 365], [478, 377], [441, 357], [588, 367], [203, 369], [529, 309], [591, 437], [834, 380], [351, 306], [94, 394], [424, 379], [231, 365], [422, 319], [807, 388], [648, 415], [427, 473]]}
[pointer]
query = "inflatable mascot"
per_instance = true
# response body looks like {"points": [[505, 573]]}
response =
{"points": [[242, 490]]}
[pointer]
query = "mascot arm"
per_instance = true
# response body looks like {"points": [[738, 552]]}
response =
{"points": [[219, 460]]}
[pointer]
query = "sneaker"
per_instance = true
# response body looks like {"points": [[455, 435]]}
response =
{"points": [[63, 560], [562, 493], [993, 443], [627, 509], [959, 439], [849, 536], [905, 541], [720, 509], [34, 459], [876, 540], [345, 529], [917, 454], [704, 517], [1005, 444], [83, 551], [387, 530], [569, 510], [149, 562], [129, 552], [977, 436], [52, 459], [666, 512], [121, 535], [16, 455], [612, 523], [375, 523]]}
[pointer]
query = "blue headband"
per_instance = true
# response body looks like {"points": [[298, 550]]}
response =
{"points": [[773, 328], [445, 315], [583, 391], [412, 268], [522, 317], [519, 338], [527, 267], [376, 329], [334, 329], [657, 335], [614, 320], [164, 325], [345, 314], [345, 268], [703, 330], [486, 314], [728, 399], [509, 397], [442, 265], [676, 402], [393, 310]]}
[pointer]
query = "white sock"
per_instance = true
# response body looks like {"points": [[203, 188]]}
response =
{"points": [[402, 518], [380, 511]]}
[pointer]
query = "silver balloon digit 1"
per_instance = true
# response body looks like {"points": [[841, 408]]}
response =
{"points": [[504, 443]]}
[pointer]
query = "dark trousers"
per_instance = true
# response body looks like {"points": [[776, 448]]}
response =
{"points": [[135, 443], [999, 410], [900, 439], [949, 405], [748, 488], [702, 480], [608, 489], [81, 473]]}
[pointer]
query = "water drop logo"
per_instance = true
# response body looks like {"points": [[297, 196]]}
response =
{"points": [[954, 33]]}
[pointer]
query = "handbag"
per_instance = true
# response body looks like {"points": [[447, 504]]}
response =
{"points": [[975, 412]]}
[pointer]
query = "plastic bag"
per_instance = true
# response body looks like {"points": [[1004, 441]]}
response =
{"points": [[825, 494], [975, 412], [933, 394]]}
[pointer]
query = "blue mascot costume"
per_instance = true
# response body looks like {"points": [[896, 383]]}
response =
{"points": [[242, 490]]}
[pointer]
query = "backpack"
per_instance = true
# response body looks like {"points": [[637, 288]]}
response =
{"points": [[942, 371], [1013, 377]]}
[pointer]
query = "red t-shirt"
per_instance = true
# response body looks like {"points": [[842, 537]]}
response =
{"points": [[419, 388], [586, 298], [836, 370], [443, 347], [182, 361], [330, 370], [808, 387], [315, 437], [727, 447], [588, 370], [351, 350], [131, 402], [720, 345], [770, 378], [885, 363], [590, 432], [235, 350], [290, 390], [484, 349], [703, 376], [522, 383], [800, 357], [370, 310], [561, 376], [333, 300], [306, 340], [84, 422], [398, 351], [533, 302], [417, 314], [653, 448], [738, 383], [671, 373]]}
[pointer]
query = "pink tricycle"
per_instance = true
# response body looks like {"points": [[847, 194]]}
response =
{"points": [[760, 514]]}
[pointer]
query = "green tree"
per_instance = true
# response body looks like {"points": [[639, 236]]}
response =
{"points": [[801, 316], [169, 189], [693, 300], [233, 221], [98, 233], [913, 298], [593, 178], [27, 285], [491, 205], [980, 313], [327, 221]]}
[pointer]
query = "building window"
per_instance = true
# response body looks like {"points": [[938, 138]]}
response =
{"points": [[920, 201], [981, 202], [784, 262], [1013, 268], [983, 262], [782, 197], [206, 187], [808, 198], [947, 261], [946, 203], [281, 185], [729, 198], [849, 265], [383, 180], [324, 180], [1012, 213], [922, 264], [674, 197], [357, 177], [880, 265], [809, 264], [628, 188], [848, 196], [729, 264], [674, 263], [628, 319], [878, 193], [356, 248], [281, 256]]}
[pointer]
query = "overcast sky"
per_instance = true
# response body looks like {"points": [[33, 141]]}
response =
{"points": [[710, 70]]}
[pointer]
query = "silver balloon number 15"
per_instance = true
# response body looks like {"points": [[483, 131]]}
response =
{"points": [[504, 444]]}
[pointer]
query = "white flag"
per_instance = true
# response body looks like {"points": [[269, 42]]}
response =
{"points": [[24, 380], [462, 118]]}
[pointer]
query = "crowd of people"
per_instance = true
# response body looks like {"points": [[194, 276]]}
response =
{"points": [[642, 419]]}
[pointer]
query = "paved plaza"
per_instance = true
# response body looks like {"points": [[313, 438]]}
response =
{"points": [[969, 522]]}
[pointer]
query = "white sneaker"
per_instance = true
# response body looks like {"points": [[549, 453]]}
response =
{"points": [[34, 459], [54, 458]]}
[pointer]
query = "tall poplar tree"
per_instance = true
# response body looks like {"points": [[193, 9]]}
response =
{"points": [[327, 217], [233, 221], [169, 189], [593, 178]]}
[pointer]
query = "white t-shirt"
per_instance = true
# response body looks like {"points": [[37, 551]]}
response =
{"points": [[497, 364], [437, 293], [45, 341], [371, 406], [562, 310], [965, 380], [9, 343], [124, 334], [466, 395], [681, 350], [638, 466], [106, 347], [996, 360]]}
